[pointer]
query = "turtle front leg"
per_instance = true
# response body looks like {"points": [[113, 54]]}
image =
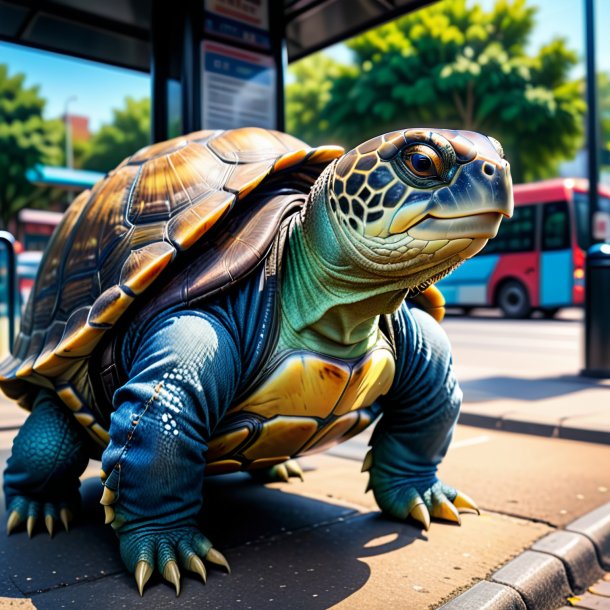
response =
{"points": [[181, 380], [415, 431], [41, 480]]}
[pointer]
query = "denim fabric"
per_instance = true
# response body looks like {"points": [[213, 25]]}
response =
{"points": [[185, 369], [183, 379], [419, 414]]}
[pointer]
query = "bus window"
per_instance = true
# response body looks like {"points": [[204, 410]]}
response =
{"points": [[516, 234], [555, 226]]}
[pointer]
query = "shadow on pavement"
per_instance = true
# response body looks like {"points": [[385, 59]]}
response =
{"points": [[284, 550], [525, 389]]}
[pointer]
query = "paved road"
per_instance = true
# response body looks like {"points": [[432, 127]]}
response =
{"points": [[532, 348]]}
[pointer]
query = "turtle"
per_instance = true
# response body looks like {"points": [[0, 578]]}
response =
{"points": [[229, 300]]}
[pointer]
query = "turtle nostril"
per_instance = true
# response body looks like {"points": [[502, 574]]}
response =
{"points": [[489, 169]]}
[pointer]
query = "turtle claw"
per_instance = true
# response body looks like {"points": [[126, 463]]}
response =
{"points": [[436, 501], [420, 513], [368, 461], [14, 519], [294, 469], [280, 472], [219, 559], [108, 515], [49, 523], [31, 522], [24, 510], [65, 517], [463, 501], [197, 566], [143, 573], [171, 573], [446, 510], [171, 551], [108, 497]]}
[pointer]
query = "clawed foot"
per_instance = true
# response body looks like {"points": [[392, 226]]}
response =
{"points": [[25, 510], [279, 472], [420, 502], [183, 547]]}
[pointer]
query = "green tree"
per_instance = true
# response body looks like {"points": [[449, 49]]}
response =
{"points": [[128, 131], [454, 65], [26, 139]]}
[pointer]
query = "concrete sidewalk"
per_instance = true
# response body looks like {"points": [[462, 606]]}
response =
{"points": [[323, 543], [562, 406]]}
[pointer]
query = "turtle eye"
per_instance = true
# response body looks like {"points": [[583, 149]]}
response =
{"points": [[423, 162]]}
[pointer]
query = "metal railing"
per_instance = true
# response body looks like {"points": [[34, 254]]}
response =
{"points": [[11, 286]]}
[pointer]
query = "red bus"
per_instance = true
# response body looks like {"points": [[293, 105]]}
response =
{"points": [[536, 262]]}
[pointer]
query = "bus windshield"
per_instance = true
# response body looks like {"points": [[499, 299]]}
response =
{"points": [[581, 208]]}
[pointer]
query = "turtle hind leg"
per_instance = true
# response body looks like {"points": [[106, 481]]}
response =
{"points": [[41, 480], [280, 472]]}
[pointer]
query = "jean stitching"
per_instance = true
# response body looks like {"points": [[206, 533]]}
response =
{"points": [[134, 424]]}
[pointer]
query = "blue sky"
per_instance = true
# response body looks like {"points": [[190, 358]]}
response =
{"points": [[100, 88]]}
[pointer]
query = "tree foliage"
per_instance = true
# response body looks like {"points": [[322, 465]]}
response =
{"points": [[453, 65], [26, 139], [128, 131]]}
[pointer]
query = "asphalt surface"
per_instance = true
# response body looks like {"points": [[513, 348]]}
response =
{"points": [[323, 543]]}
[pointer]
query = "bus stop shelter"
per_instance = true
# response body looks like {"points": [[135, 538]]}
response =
{"points": [[214, 64]]}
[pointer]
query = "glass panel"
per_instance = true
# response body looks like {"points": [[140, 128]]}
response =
{"points": [[555, 226], [4, 295], [516, 234]]}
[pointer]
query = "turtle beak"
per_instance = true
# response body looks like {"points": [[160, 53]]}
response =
{"points": [[473, 206]]}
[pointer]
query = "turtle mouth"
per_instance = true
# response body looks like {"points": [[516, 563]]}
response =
{"points": [[484, 225]]}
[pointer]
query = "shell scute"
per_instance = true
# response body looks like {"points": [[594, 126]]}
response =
{"points": [[252, 145], [246, 177], [144, 265], [48, 363], [191, 224], [109, 306], [115, 240], [78, 335]]}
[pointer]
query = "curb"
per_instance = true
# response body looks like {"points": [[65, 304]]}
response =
{"points": [[534, 428], [562, 564]]}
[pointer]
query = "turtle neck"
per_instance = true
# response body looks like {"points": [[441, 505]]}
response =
{"points": [[330, 303]]}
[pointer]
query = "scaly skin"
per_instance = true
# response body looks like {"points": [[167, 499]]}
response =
{"points": [[41, 481]]}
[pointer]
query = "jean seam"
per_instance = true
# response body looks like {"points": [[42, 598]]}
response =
{"points": [[134, 424]]}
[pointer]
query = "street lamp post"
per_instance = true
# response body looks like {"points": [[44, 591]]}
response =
{"points": [[597, 270], [592, 122]]}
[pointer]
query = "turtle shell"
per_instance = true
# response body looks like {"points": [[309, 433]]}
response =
{"points": [[115, 241]]}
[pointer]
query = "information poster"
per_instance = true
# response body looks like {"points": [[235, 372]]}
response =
{"points": [[243, 21], [238, 88]]}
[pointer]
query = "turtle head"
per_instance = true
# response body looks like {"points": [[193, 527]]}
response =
{"points": [[417, 202]]}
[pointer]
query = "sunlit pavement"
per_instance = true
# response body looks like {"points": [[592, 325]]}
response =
{"points": [[322, 543]]}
